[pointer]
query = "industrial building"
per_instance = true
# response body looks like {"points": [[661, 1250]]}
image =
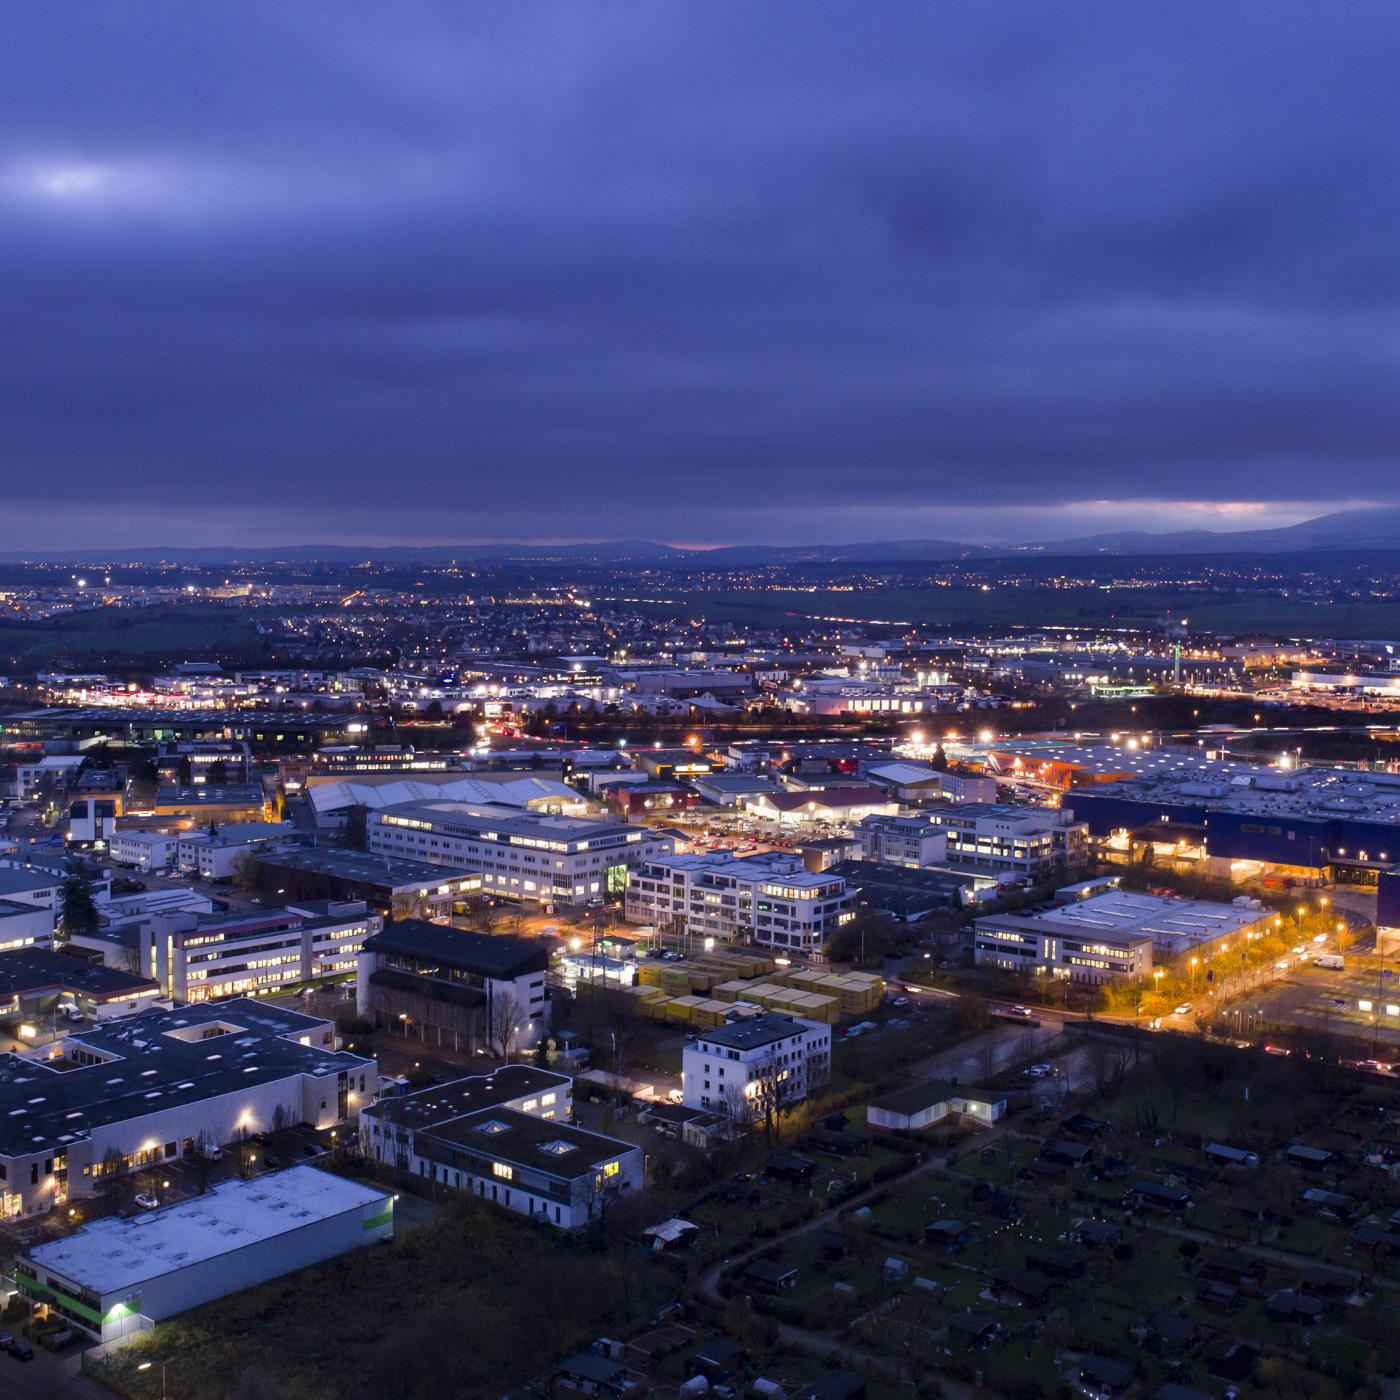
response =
{"points": [[771, 899], [1315, 824], [163, 1085], [1117, 935], [119, 1275], [521, 855]]}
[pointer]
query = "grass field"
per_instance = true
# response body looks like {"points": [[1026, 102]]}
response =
{"points": [[1043, 607], [133, 631]]}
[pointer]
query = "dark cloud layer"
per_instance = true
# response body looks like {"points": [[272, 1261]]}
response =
{"points": [[707, 271]]}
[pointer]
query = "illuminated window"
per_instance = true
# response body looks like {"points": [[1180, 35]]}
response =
{"points": [[504, 1172]]}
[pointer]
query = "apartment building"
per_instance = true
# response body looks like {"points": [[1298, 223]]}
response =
{"points": [[145, 851], [163, 1085], [505, 1137], [197, 959], [535, 858], [1035, 843], [771, 899], [727, 1069], [911, 841]]}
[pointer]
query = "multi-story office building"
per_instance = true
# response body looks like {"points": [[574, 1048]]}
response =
{"points": [[1035, 843], [163, 1085], [913, 841], [729, 1068], [147, 851], [459, 988], [521, 855], [197, 959], [771, 899], [505, 1137], [397, 886]]}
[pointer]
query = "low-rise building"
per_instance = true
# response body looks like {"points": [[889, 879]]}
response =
{"points": [[771, 899], [217, 855], [847, 803], [120, 1274], [145, 851], [506, 1137], [163, 1085], [927, 1105], [39, 986], [386, 884], [1116, 935], [745, 1068]]}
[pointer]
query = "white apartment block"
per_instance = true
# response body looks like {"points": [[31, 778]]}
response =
{"points": [[769, 899], [521, 855], [727, 1069], [217, 855]]}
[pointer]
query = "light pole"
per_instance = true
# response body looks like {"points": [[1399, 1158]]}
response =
{"points": [[146, 1366]]}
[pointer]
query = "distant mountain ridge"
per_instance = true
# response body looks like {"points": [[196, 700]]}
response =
{"points": [[1341, 530]]}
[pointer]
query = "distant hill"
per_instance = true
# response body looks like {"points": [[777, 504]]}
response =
{"points": [[1342, 530]]}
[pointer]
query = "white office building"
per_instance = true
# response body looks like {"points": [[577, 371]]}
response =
{"points": [[521, 855], [118, 1275], [198, 959], [1034, 843], [771, 899], [911, 841], [145, 851], [217, 855], [733, 1068]]}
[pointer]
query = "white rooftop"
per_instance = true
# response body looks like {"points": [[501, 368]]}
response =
{"points": [[1173, 925], [116, 1254]]}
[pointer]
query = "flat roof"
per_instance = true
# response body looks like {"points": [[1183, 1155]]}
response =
{"points": [[28, 971], [148, 1066], [473, 819], [1173, 925], [753, 1032], [115, 1254], [440, 1103], [14, 881], [393, 872], [540, 1144], [492, 955]]}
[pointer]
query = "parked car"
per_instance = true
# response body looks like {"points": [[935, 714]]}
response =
{"points": [[21, 1351], [1183, 1010], [1042, 1072], [7, 1340], [146, 1202]]}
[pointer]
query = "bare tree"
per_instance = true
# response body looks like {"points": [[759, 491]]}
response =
{"points": [[770, 1094], [504, 1022]]}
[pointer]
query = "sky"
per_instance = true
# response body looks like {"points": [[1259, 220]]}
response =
{"points": [[696, 272]]}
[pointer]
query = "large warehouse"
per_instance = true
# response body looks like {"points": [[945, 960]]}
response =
{"points": [[122, 1273]]}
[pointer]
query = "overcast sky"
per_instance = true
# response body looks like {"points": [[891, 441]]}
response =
{"points": [[698, 272]]}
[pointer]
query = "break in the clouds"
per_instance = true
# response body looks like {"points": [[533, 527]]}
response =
{"points": [[703, 272]]}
